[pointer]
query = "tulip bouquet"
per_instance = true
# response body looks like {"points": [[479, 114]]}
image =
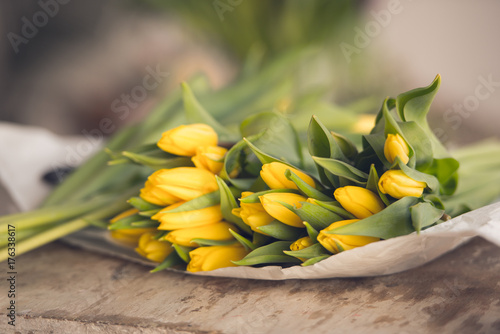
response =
{"points": [[218, 199]]}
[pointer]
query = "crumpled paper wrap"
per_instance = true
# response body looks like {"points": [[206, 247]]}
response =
{"points": [[380, 258]]}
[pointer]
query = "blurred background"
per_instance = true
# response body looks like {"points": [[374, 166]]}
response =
{"points": [[67, 64]]}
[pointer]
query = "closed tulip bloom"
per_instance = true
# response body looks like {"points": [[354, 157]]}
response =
{"points": [[218, 231], [346, 242], [210, 158], [187, 219], [398, 185], [273, 175], [129, 236], [215, 257], [185, 139], [253, 214], [152, 249], [359, 201], [301, 244], [183, 183], [395, 146], [155, 194], [271, 204]]}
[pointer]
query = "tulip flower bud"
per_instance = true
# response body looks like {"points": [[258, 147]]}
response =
{"points": [[395, 146], [129, 236], [187, 219], [359, 201], [301, 244], [153, 249], [181, 183], [218, 231], [185, 139], [336, 243], [273, 175], [253, 214], [214, 257], [271, 204], [398, 185], [210, 158]]}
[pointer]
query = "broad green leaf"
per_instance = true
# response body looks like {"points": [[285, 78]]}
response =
{"points": [[446, 171], [158, 162], [254, 198], [183, 252], [262, 156], [424, 214], [146, 223], [305, 188], [393, 221], [311, 232], [131, 222], [343, 170], [317, 216], [335, 207], [142, 205], [236, 162], [272, 253], [314, 260], [196, 113], [243, 241], [173, 259], [208, 242], [431, 181], [227, 204], [309, 252], [201, 202], [321, 142], [372, 185], [279, 138], [346, 145], [376, 142], [419, 142], [282, 231]]}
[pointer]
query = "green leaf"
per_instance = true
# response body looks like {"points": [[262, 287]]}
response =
{"points": [[242, 240], [424, 214], [183, 252], [431, 181], [195, 113], [170, 261], [317, 216], [282, 231], [314, 260], [419, 143], [311, 232], [305, 188], [272, 253], [335, 207], [237, 161], [445, 171], [393, 221], [346, 145], [321, 142], [372, 185], [131, 222], [146, 223], [201, 202], [208, 242], [156, 162], [343, 170], [279, 138], [142, 205], [309, 252], [227, 204], [254, 198], [262, 156]]}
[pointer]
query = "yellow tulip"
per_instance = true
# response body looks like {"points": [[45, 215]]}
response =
{"points": [[273, 175], [187, 219], [210, 158], [359, 201], [214, 257], [155, 194], [218, 231], [129, 236], [271, 204], [301, 244], [153, 249], [395, 146], [253, 214], [398, 184], [181, 183], [335, 243], [185, 139]]}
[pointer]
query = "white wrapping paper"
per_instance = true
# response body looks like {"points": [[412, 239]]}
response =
{"points": [[17, 164]]}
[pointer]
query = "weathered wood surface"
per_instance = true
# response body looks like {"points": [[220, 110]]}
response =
{"points": [[62, 289], [67, 290]]}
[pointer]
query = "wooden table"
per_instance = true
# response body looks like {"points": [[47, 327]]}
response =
{"points": [[62, 289]]}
